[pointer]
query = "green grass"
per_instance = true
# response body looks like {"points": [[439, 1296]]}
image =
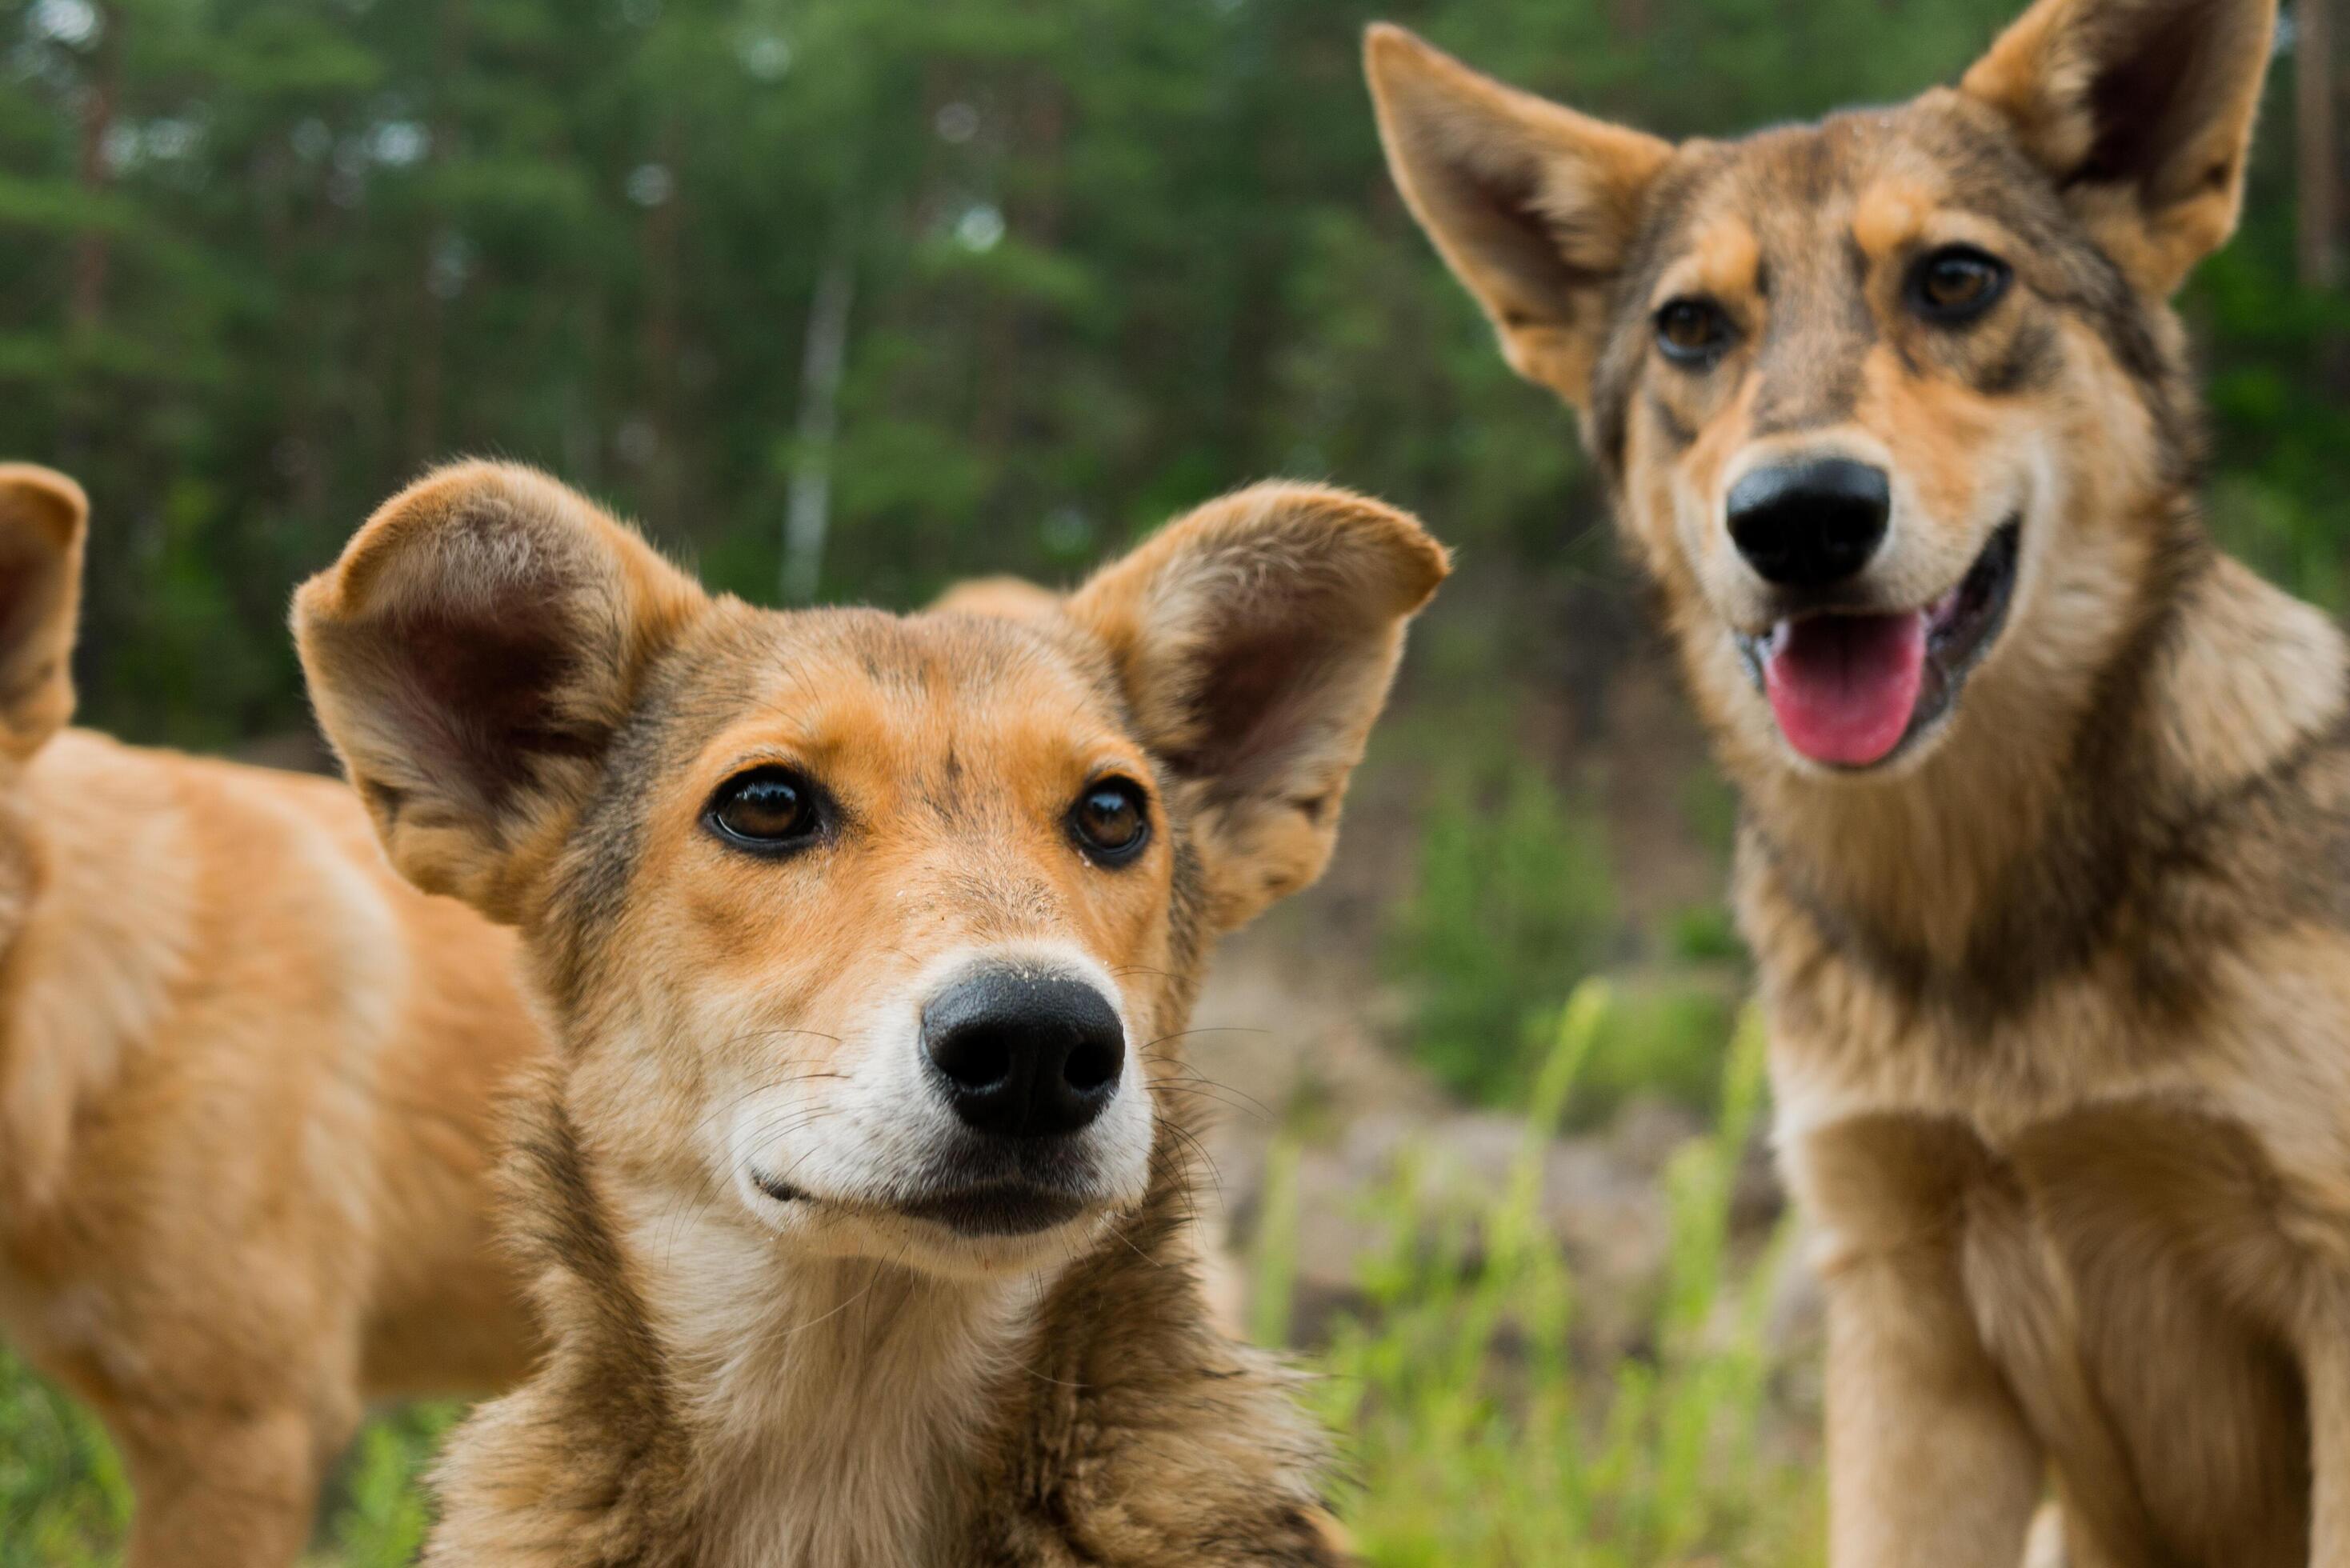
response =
{"points": [[63, 1502], [1664, 1034], [1513, 900], [1475, 1437], [1477, 1440]]}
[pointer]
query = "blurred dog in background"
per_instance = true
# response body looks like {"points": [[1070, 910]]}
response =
{"points": [[247, 1084]]}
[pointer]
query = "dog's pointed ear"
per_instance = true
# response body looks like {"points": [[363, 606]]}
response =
{"points": [[1254, 640], [2142, 111], [43, 517], [1534, 206], [471, 657]]}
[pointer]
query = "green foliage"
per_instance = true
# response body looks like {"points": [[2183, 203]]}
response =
{"points": [[1110, 258], [383, 1517], [63, 1502], [1706, 933], [1664, 1036], [2278, 356], [1709, 806], [1514, 895], [63, 1498], [1514, 899], [1477, 1437]]}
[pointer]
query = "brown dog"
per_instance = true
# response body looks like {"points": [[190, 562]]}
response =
{"points": [[859, 1199], [244, 1085], [2046, 854]]}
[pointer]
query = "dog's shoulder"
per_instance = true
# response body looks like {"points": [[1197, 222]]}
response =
{"points": [[1136, 1433], [527, 1483], [587, 1463]]}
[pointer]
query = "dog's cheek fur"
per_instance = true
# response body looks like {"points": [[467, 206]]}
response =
{"points": [[583, 1464], [1940, 430]]}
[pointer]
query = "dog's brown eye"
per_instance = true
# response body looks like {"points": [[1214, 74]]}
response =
{"points": [[1111, 820], [766, 809], [1692, 331], [1957, 284]]}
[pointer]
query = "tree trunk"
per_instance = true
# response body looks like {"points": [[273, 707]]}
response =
{"points": [[2319, 253], [823, 362], [664, 339], [93, 253], [426, 370]]}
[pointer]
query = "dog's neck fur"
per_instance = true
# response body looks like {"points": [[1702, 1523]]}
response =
{"points": [[2017, 823], [831, 1402], [709, 1401]]}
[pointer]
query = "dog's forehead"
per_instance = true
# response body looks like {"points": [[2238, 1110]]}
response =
{"points": [[1807, 193], [888, 692]]}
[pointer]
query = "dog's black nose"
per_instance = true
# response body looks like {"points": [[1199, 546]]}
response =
{"points": [[1808, 524], [1024, 1056]]}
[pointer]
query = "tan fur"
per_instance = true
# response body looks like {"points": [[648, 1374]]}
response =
{"points": [[1534, 273], [1892, 213], [1008, 598], [2042, 75], [761, 1356], [245, 1088], [2060, 994]]}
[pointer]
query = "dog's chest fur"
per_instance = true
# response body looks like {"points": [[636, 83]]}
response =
{"points": [[838, 1395], [2142, 1207], [2131, 1269]]}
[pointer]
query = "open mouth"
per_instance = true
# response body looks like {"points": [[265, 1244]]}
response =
{"points": [[1850, 690]]}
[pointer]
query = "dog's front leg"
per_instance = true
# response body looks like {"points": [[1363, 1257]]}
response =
{"points": [[2326, 1369], [231, 1491], [1930, 1464]]}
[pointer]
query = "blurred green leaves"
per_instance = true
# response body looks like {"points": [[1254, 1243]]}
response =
{"points": [[1112, 256]]}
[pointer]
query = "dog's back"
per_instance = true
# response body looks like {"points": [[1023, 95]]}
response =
{"points": [[246, 1093]]}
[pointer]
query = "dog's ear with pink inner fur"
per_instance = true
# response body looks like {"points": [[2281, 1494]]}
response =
{"points": [[43, 517], [471, 655], [2142, 112], [1534, 206], [1254, 640]]}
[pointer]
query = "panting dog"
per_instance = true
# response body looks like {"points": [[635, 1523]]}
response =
{"points": [[247, 1078], [857, 1201], [2045, 854]]}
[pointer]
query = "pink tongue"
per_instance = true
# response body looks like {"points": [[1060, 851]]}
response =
{"points": [[1844, 686]]}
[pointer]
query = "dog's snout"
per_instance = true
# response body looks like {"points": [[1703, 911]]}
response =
{"points": [[1024, 1056], [1811, 523]]}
